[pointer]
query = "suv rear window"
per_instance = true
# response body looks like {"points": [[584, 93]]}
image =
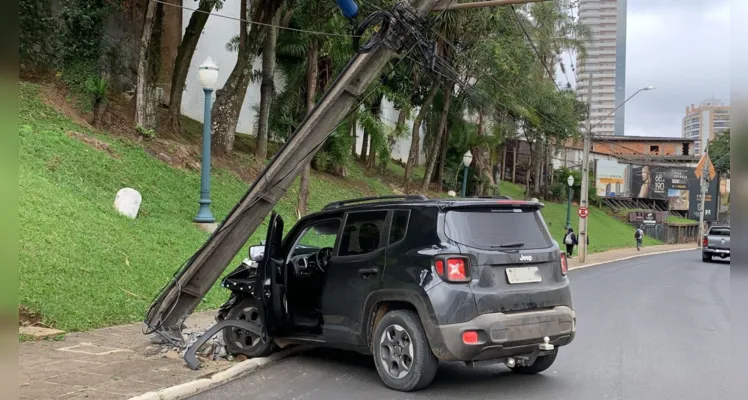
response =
{"points": [[490, 229], [720, 232]]}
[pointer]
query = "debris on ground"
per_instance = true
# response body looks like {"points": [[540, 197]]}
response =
{"points": [[212, 350]]}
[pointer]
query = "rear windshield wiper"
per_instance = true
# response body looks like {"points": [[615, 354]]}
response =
{"points": [[507, 245]]}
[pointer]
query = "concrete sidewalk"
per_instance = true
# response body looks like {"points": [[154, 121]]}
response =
{"points": [[620, 254], [111, 363], [117, 362]]}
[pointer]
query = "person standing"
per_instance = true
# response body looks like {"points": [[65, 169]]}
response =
{"points": [[570, 239], [639, 236]]}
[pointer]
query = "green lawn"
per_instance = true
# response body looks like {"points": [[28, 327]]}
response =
{"points": [[83, 266], [605, 231]]}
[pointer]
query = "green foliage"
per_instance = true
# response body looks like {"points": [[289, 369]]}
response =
{"points": [[82, 29], [147, 133], [97, 89], [719, 152], [36, 32]]}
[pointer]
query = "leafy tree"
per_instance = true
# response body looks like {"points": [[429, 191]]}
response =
{"points": [[719, 152]]}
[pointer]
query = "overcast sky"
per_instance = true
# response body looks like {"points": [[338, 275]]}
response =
{"points": [[683, 48]]}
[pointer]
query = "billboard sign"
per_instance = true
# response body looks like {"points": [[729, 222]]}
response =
{"points": [[678, 186], [610, 178]]}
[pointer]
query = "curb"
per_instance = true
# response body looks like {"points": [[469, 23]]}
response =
{"points": [[193, 387], [630, 257]]}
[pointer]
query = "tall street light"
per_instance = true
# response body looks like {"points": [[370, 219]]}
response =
{"points": [[208, 73], [570, 181], [584, 195], [467, 158]]}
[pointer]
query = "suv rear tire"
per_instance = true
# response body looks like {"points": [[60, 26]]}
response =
{"points": [[706, 257], [238, 341], [541, 364], [402, 354]]}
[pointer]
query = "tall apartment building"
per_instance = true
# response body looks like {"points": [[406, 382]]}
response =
{"points": [[606, 60], [702, 123]]}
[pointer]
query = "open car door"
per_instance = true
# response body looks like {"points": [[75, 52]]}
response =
{"points": [[269, 285]]}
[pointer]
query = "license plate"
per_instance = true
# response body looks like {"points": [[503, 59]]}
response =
{"points": [[523, 275]]}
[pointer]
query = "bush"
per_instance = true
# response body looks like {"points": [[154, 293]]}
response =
{"points": [[558, 191]]}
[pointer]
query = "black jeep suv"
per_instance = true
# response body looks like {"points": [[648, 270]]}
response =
{"points": [[411, 281]]}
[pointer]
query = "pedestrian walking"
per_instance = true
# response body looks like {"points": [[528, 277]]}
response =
{"points": [[570, 239], [639, 236]]}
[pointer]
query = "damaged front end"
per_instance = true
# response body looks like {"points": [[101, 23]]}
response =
{"points": [[241, 283]]}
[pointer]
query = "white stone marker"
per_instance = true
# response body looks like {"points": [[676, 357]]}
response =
{"points": [[128, 202]]}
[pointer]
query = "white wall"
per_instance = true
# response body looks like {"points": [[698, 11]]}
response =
{"points": [[219, 31]]}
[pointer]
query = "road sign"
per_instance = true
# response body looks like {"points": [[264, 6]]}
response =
{"points": [[583, 212], [699, 170]]}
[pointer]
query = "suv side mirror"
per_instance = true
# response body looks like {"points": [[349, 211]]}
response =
{"points": [[256, 253]]}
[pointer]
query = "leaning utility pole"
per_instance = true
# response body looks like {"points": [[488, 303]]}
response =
{"points": [[584, 196], [202, 270]]}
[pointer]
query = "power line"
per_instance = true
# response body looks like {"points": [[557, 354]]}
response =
{"points": [[333, 34]]}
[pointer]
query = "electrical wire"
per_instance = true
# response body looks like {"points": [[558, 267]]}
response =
{"points": [[332, 34], [158, 301], [534, 48]]}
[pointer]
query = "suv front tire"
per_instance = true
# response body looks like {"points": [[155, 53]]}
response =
{"points": [[402, 353]]}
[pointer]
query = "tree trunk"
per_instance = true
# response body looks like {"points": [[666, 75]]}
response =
{"points": [[514, 162], [364, 146], [230, 98], [529, 171], [441, 132], [538, 170], [354, 134], [482, 159], [442, 160], [267, 88], [142, 98], [185, 51], [312, 73], [415, 138], [376, 112], [503, 163]]}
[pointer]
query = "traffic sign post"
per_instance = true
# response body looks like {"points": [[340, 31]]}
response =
{"points": [[583, 212]]}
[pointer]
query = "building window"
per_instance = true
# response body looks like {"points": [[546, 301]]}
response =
{"points": [[686, 149], [654, 150]]}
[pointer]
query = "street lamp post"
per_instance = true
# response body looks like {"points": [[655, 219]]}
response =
{"points": [[467, 158], [570, 181], [584, 195], [208, 73]]}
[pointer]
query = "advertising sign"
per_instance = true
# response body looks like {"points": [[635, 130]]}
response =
{"points": [[653, 182], [678, 186], [610, 178]]}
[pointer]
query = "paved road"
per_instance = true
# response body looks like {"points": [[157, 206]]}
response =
{"points": [[654, 327]]}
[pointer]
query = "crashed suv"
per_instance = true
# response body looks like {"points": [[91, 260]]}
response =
{"points": [[411, 281]]}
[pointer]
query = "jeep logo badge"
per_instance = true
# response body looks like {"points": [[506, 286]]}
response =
{"points": [[525, 258]]}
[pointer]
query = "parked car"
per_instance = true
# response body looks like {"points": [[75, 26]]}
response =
{"points": [[410, 281], [716, 243]]}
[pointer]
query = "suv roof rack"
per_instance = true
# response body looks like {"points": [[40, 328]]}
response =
{"points": [[495, 197], [411, 197]]}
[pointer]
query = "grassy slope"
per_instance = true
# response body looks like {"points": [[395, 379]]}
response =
{"points": [[83, 266], [605, 231]]}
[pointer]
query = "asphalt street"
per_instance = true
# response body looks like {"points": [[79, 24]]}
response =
{"points": [[653, 327]]}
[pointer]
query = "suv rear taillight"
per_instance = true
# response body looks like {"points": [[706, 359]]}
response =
{"points": [[704, 242], [453, 269], [564, 265]]}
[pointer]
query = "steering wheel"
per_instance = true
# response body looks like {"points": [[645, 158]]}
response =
{"points": [[323, 257]]}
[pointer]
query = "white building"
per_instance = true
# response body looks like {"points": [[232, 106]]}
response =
{"points": [[221, 27], [606, 60], [710, 118]]}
